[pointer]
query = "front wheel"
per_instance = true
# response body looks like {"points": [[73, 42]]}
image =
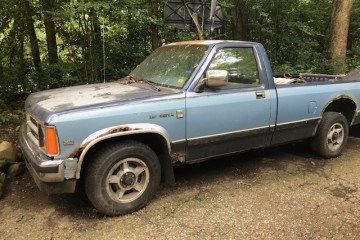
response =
{"points": [[122, 178], [331, 136]]}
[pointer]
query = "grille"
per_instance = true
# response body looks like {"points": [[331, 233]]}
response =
{"points": [[34, 131]]}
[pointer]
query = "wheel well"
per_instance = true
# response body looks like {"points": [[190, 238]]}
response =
{"points": [[156, 142], [345, 106]]}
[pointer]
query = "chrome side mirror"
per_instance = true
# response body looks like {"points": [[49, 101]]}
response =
{"points": [[214, 79], [217, 78]]}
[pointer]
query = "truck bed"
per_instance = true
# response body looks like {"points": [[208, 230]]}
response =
{"points": [[310, 78]]}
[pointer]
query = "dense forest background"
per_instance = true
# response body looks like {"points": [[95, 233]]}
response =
{"points": [[54, 43]]}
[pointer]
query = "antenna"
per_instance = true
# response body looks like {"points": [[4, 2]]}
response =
{"points": [[103, 48]]}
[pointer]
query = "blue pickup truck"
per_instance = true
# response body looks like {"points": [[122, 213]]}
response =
{"points": [[185, 103]]}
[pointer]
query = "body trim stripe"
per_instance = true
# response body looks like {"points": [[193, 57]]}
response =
{"points": [[178, 141], [300, 121], [228, 133], [252, 129]]}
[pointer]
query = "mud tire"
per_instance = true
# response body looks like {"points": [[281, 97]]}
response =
{"points": [[122, 178], [331, 136]]}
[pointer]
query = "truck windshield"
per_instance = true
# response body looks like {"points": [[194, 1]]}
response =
{"points": [[170, 66]]}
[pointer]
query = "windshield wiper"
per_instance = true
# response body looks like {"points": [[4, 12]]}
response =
{"points": [[130, 79]]}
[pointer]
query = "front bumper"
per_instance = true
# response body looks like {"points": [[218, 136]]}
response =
{"points": [[46, 172]]}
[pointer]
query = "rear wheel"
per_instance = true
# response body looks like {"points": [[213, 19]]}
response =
{"points": [[331, 136], [122, 178]]}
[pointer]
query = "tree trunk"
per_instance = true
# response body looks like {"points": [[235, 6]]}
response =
{"points": [[48, 8], [1, 67], [21, 62], [237, 22], [29, 24], [155, 42], [340, 21]]}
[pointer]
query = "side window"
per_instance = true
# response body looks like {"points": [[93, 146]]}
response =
{"points": [[240, 63]]}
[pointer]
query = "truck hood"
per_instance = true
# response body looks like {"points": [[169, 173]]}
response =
{"points": [[45, 103]]}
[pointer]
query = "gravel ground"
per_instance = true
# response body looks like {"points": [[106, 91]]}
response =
{"points": [[279, 193]]}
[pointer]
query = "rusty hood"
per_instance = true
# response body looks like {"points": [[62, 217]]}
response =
{"points": [[45, 103]]}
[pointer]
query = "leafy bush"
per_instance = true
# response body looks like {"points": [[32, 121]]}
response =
{"points": [[14, 117], [11, 113]]}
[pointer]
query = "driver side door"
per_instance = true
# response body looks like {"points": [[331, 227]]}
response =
{"points": [[234, 117]]}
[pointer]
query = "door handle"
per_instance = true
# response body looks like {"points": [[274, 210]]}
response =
{"points": [[260, 94]]}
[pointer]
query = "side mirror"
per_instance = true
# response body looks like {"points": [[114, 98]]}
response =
{"points": [[214, 79], [217, 78]]}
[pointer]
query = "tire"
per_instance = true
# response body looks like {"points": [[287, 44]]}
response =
{"points": [[122, 178], [331, 136]]}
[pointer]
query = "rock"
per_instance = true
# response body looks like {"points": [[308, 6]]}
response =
{"points": [[2, 183], [3, 165], [15, 169], [7, 152]]}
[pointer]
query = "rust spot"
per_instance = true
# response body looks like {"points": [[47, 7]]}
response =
{"points": [[177, 157], [77, 151], [194, 42], [116, 130], [191, 42]]}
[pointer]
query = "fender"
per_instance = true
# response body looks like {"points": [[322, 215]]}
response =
{"points": [[116, 131], [344, 97]]}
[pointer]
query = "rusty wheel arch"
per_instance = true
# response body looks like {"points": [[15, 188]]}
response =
{"points": [[155, 141], [343, 104]]}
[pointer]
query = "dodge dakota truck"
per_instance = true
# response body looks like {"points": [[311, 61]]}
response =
{"points": [[185, 103]]}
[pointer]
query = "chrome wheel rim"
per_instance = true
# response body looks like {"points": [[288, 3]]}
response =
{"points": [[127, 180], [335, 136]]}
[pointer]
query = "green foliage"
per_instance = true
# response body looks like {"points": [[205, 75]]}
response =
{"points": [[11, 117], [294, 32], [2, 105], [353, 60], [4, 119]]}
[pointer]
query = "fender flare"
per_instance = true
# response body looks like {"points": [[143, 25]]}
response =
{"points": [[117, 131], [340, 97]]}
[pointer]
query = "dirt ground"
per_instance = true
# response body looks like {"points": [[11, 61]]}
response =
{"points": [[279, 193]]}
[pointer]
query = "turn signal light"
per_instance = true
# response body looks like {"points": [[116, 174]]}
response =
{"points": [[51, 143]]}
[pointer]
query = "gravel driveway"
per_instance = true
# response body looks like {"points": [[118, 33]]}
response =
{"points": [[279, 193]]}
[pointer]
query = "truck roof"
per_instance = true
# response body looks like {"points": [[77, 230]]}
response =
{"points": [[206, 42]]}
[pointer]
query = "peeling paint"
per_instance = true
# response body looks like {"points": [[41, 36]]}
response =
{"points": [[178, 157], [77, 97], [116, 131]]}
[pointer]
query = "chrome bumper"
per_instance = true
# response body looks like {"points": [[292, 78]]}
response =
{"points": [[47, 173]]}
